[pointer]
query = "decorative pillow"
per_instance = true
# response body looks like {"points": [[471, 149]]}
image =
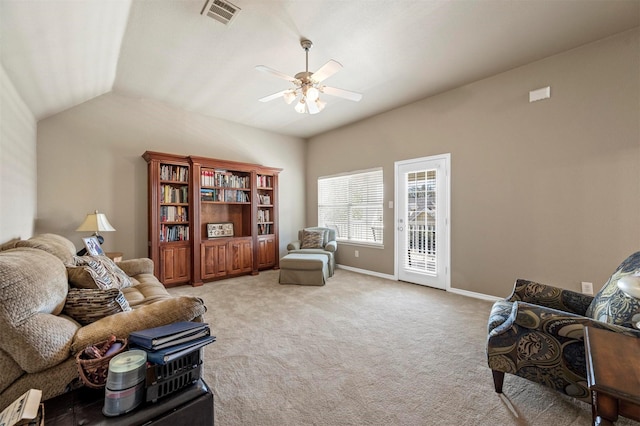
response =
{"points": [[611, 305], [97, 272], [89, 305], [312, 238]]}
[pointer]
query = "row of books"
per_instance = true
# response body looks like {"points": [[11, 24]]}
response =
{"points": [[176, 173], [265, 181], [174, 233], [224, 195], [265, 229], [223, 179], [169, 342], [264, 215], [172, 194], [174, 214]]}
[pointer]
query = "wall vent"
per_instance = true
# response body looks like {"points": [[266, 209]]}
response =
{"points": [[221, 11]]}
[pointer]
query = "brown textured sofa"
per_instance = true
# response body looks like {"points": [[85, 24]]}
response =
{"points": [[39, 339]]}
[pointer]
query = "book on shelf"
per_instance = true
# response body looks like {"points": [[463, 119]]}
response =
{"points": [[26, 410], [170, 353], [170, 233], [174, 173], [222, 178], [151, 338], [174, 214], [172, 194], [264, 181]]}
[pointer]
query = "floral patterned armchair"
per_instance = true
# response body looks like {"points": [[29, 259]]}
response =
{"points": [[537, 333]]}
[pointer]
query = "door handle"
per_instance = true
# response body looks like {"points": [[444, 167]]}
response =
{"points": [[400, 228]]}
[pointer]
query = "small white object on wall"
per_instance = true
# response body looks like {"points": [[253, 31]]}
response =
{"points": [[540, 94]]}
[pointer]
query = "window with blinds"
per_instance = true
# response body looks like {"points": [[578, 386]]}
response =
{"points": [[352, 204]]}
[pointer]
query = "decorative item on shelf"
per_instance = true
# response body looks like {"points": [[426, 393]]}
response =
{"points": [[95, 222], [215, 230]]}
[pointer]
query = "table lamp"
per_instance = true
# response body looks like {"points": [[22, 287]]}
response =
{"points": [[630, 285], [96, 222]]}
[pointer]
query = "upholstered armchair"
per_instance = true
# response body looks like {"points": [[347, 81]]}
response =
{"points": [[537, 333], [316, 240]]}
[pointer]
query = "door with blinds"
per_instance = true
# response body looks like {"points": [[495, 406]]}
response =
{"points": [[422, 221]]}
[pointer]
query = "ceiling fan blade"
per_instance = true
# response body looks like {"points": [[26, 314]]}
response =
{"points": [[274, 96], [276, 73], [341, 93], [326, 71]]}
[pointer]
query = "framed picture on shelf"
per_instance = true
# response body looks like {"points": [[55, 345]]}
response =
{"points": [[93, 246], [223, 229]]}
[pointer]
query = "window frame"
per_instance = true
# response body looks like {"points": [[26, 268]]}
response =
{"points": [[372, 206]]}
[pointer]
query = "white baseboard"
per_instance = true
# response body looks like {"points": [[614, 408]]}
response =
{"points": [[367, 272], [474, 294], [394, 278]]}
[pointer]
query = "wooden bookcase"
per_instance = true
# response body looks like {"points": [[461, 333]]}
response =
{"points": [[170, 210], [238, 199], [267, 218]]}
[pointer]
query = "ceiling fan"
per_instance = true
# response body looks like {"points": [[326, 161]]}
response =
{"points": [[307, 85]]}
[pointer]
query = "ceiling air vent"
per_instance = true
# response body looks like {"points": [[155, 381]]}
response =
{"points": [[221, 11]]}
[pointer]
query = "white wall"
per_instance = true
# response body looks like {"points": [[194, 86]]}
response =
{"points": [[18, 168], [547, 191], [89, 157]]}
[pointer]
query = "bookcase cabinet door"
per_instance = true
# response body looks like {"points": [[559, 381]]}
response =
{"points": [[240, 256], [213, 261], [175, 263], [266, 251]]}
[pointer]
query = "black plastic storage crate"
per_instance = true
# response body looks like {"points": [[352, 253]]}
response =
{"points": [[166, 379]]}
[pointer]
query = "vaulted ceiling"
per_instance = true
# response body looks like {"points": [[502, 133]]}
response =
{"points": [[60, 53]]}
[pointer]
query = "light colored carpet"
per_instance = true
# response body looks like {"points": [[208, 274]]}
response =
{"points": [[360, 350]]}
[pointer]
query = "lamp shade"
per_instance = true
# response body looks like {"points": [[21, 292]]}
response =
{"points": [[96, 222], [630, 285]]}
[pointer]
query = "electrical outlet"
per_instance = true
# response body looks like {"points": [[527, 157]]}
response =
{"points": [[587, 288], [357, 254]]}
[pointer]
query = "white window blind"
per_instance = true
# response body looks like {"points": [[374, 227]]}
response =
{"points": [[352, 204]]}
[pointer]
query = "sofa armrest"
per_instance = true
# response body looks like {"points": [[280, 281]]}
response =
{"points": [[550, 297], [555, 322], [294, 245], [331, 246], [133, 267], [163, 312]]}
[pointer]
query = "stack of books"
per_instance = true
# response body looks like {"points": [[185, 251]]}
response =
{"points": [[170, 342]]}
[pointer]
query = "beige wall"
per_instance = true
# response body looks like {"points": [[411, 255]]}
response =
{"points": [[89, 157], [548, 191], [17, 164]]}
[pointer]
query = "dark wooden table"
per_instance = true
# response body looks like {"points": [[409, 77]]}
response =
{"points": [[613, 375], [191, 406]]}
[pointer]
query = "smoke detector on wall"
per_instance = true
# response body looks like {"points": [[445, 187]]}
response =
{"points": [[221, 11]]}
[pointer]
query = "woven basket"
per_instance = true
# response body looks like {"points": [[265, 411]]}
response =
{"points": [[93, 372]]}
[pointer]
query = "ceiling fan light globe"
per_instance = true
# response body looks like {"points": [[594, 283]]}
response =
{"points": [[312, 93], [301, 107], [289, 97], [321, 104]]}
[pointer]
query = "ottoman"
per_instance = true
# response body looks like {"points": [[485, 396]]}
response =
{"points": [[304, 269]]}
